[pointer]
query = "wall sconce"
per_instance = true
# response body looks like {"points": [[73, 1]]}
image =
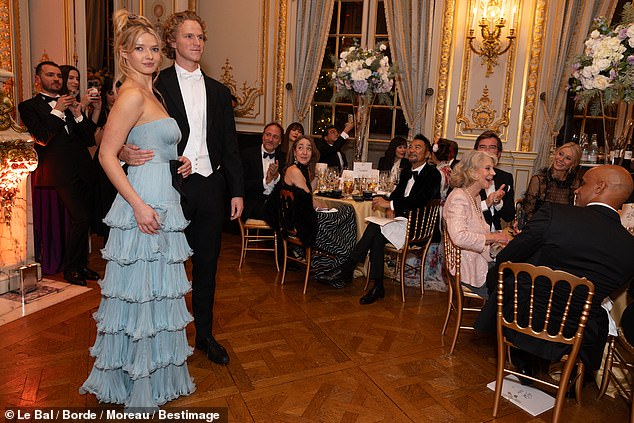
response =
{"points": [[491, 23], [17, 159]]}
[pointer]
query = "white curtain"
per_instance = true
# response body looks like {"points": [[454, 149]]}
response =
{"points": [[313, 24], [574, 17], [409, 26]]}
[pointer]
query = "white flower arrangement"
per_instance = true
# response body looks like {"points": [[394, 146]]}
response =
{"points": [[607, 64], [363, 72]]}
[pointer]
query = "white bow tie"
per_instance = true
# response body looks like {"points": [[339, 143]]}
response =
{"points": [[195, 75]]}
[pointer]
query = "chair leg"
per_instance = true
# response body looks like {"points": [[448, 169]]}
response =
{"points": [[607, 366], [499, 376], [277, 265], [285, 246], [403, 258], [579, 381], [366, 266], [458, 322], [449, 306], [308, 257], [243, 253]]}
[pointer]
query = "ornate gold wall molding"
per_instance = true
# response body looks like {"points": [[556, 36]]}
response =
{"points": [[533, 73], [247, 95], [443, 68], [281, 61], [482, 115]]}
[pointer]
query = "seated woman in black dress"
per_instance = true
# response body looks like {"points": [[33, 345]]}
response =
{"points": [[395, 158], [555, 184], [333, 231]]}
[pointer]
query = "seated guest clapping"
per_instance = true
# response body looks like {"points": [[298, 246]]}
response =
{"points": [[415, 189], [262, 167], [329, 231], [395, 158], [465, 222]]}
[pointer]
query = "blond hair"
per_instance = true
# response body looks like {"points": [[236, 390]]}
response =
{"points": [[127, 30], [171, 26], [464, 174]]}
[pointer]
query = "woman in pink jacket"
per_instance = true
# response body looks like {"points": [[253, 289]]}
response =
{"points": [[465, 222]]}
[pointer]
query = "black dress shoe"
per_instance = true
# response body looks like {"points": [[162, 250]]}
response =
{"points": [[527, 370], [338, 276], [374, 294], [75, 278], [215, 351], [88, 274]]}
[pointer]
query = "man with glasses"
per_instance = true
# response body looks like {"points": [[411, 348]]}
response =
{"points": [[498, 201]]}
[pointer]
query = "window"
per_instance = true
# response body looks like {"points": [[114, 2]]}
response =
{"points": [[346, 29]]}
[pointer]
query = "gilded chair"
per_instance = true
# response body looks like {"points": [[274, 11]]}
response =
{"points": [[619, 369], [545, 304], [420, 228], [253, 238], [459, 297]]}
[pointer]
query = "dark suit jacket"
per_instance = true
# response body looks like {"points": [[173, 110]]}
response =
{"points": [[507, 212], [62, 156], [222, 143], [426, 188], [253, 176], [585, 241], [328, 153]]}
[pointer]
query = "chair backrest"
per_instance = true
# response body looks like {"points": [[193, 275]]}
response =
{"points": [[422, 222], [451, 263], [287, 226], [547, 304]]}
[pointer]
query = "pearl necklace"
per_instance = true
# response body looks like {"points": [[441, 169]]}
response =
{"points": [[477, 208]]}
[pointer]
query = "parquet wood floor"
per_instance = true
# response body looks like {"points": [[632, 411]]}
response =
{"points": [[315, 358]]}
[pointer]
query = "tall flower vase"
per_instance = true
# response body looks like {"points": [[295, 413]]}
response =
{"points": [[361, 113]]}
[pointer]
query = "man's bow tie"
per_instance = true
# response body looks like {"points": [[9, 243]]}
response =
{"points": [[268, 155], [414, 173], [195, 75], [48, 98]]}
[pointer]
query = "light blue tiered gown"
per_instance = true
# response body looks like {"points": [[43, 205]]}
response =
{"points": [[141, 348]]}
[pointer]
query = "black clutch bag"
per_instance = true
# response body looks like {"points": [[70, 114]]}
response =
{"points": [[178, 182]]}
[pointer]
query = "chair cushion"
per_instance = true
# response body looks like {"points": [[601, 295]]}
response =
{"points": [[256, 223]]}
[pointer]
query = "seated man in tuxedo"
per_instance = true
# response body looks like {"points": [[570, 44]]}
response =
{"points": [[62, 136], [584, 240], [262, 166], [498, 202], [415, 189], [331, 144]]}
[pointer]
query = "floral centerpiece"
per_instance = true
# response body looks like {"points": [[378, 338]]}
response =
{"points": [[363, 76], [607, 65], [606, 69]]}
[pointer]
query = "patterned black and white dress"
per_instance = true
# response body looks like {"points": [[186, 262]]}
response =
{"points": [[333, 232]]}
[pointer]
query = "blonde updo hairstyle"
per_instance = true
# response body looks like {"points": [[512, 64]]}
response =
{"points": [[127, 30], [464, 174]]}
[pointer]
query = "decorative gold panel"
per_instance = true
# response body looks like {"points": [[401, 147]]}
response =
{"points": [[443, 69], [533, 73], [281, 62], [246, 98], [480, 115]]}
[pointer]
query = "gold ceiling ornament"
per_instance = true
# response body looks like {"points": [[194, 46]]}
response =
{"points": [[443, 69], [246, 99], [533, 73], [280, 85], [492, 21]]}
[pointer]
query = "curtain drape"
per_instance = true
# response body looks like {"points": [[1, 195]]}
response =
{"points": [[96, 17], [409, 26], [313, 23], [574, 17]]}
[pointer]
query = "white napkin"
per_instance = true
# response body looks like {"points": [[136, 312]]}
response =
{"points": [[392, 229]]}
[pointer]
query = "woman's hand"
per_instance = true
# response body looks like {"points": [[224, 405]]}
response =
{"points": [[499, 237], [147, 219], [186, 168]]}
